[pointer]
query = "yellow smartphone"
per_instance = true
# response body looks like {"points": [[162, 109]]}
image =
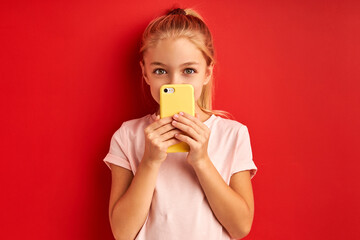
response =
{"points": [[175, 98]]}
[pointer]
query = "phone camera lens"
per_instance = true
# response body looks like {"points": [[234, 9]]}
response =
{"points": [[166, 90]]}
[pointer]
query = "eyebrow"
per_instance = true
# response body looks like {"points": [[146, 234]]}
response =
{"points": [[184, 64]]}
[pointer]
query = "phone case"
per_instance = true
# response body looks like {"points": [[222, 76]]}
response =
{"points": [[180, 100]]}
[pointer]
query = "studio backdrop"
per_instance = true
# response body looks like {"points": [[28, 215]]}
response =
{"points": [[70, 75]]}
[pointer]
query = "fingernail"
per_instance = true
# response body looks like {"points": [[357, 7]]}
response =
{"points": [[181, 113]]}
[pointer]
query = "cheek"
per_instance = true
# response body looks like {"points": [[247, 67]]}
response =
{"points": [[197, 95], [197, 91], [155, 92]]}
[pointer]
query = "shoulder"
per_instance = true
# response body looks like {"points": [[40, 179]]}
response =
{"points": [[134, 126], [228, 125]]}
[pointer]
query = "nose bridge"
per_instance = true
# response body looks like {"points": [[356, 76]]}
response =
{"points": [[175, 78]]}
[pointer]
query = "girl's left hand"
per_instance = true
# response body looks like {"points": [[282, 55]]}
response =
{"points": [[197, 136]]}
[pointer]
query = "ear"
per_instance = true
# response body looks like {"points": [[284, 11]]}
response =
{"points": [[208, 73], [144, 72]]}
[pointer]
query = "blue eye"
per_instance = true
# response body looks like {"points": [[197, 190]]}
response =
{"points": [[189, 71], [159, 71]]}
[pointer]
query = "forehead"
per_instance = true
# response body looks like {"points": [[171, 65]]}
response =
{"points": [[174, 52]]}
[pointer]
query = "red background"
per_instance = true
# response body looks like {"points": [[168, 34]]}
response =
{"points": [[69, 72]]}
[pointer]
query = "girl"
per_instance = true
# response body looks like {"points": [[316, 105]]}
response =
{"points": [[205, 193]]}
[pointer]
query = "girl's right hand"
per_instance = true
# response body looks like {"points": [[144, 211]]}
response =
{"points": [[158, 137]]}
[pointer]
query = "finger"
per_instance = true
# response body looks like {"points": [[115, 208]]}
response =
{"points": [[186, 139], [187, 129], [169, 135], [158, 125], [186, 121], [160, 122], [171, 142], [164, 129], [195, 119]]}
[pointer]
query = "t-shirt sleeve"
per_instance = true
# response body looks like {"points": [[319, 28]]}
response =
{"points": [[243, 158], [118, 149]]}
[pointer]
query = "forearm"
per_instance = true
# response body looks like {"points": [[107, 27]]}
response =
{"points": [[131, 210], [229, 207]]}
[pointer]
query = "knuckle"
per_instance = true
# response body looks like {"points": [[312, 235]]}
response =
{"points": [[155, 142], [146, 130], [149, 135], [174, 132]]}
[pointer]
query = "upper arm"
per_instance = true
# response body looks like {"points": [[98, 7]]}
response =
{"points": [[120, 181], [240, 182]]}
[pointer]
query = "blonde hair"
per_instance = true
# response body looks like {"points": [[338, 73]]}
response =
{"points": [[185, 23]]}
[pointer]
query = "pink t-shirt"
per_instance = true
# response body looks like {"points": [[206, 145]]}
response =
{"points": [[179, 208]]}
